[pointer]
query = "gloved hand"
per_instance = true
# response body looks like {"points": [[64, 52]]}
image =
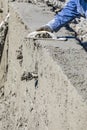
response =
{"points": [[45, 28]]}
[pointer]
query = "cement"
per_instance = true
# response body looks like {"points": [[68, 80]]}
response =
{"points": [[54, 99]]}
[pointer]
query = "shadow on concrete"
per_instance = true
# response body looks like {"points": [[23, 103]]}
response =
{"points": [[84, 45], [2, 41], [70, 29]]}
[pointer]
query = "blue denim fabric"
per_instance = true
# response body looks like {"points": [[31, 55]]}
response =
{"points": [[73, 9]]}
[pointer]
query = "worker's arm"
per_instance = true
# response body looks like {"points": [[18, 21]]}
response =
{"points": [[68, 13]]}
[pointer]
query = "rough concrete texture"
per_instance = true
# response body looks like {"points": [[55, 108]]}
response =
{"points": [[4, 7], [57, 98], [3, 34], [52, 3], [3, 41]]}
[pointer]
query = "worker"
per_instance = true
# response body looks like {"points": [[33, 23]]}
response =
{"points": [[73, 9]]}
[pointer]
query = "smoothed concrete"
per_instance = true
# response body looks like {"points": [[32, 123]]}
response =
{"points": [[69, 55]]}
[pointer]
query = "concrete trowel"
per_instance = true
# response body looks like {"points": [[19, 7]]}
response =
{"points": [[44, 35]]}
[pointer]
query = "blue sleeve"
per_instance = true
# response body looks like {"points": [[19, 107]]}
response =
{"points": [[68, 13]]}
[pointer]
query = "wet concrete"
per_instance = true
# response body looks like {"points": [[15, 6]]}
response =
{"points": [[56, 97], [70, 55]]}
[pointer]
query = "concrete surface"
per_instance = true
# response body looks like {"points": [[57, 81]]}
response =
{"points": [[4, 5], [68, 54], [56, 100]]}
